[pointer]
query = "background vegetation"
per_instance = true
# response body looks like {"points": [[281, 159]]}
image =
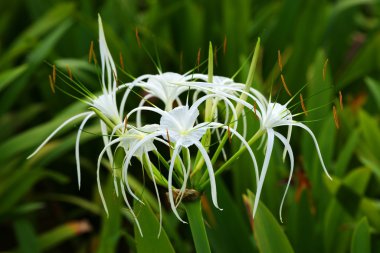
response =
{"points": [[41, 208]]}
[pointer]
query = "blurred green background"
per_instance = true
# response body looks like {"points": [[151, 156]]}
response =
{"points": [[41, 208]]}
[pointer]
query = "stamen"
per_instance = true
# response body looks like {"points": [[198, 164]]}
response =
{"points": [[324, 69], [138, 37], [121, 60], [279, 59], [91, 52], [181, 61], [125, 123], [215, 57], [51, 84], [336, 119], [303, 105], [69, 72], [341, 100], [54, 74], [168, 137], [114, 76], [198, 57], [285, 86], [229, 134], [224, 44], [254, 109]]}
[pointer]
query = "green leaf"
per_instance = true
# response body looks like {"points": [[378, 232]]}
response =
{"points": [[369, 143], [374, 87], [26, 236], [62, 233], [230, 219], [361, 241], [31, 36], [6, 77], [269, 235], [150, 242], [111, 225]]}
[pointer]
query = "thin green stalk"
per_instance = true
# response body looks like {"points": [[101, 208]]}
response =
{"points": [[225, 165], [197, 226]]}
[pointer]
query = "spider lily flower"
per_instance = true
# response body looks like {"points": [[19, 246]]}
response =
{"points": [[277, 115], [104, 103], [128, 141], [178, 128], [164, 86]]}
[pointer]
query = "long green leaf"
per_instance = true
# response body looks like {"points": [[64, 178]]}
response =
{"points": [[269, 235], [150, 242], [361, 240]]}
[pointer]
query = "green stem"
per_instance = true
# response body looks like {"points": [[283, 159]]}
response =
{"points": [[232, 159], [197, 226]]}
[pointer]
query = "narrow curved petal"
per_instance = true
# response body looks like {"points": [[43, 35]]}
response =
{"points": [[77, 145], [108, 66], [138, 114], [315, 143], [129, 156], [268, 154], [104, 130], [289, 150], [210, 173], [288, 137], [130, 208], [156, 190], [57, 130], [245, 143], [170, 182], [98, 172]]}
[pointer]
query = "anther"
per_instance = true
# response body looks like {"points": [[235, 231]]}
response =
{"points": [[225, 44], [279, 59], [336, 119], [115, 76], [69, 72], [121, 60], [229, 134], [198, 57], [285, 86], [303, 105], [54, 74], [324, 69], [340, 100], [91, 52], [51, 84], [137, 37], [181, 61]]}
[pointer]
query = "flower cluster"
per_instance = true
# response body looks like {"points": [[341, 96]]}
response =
{"points": [[199, 113]]}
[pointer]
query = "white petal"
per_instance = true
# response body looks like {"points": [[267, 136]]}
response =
{"points": [[210, 173], [57, 130], [170, 184], [268, 154], [316, 145], [98, 172], [157, 193], [130, 208], [129, 156], [288, 148], [77, 145]]}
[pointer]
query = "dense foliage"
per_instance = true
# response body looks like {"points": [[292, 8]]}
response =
{"points": [[330, 49]]}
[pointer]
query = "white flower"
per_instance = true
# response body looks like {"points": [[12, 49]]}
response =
{"points": [[277, 115], [128, 141], [105, 103], [179, 127]]}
